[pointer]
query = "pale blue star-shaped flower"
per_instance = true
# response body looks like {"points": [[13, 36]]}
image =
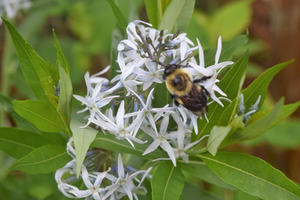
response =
{"points": [[160, 139], [147, 110], [124, 184], [93, 189], [122, 129], [152, 75], [181, 143], [95, 102]]}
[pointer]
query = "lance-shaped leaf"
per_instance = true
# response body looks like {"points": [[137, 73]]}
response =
{"points": [[259, 85], [119, 15], [44, 159], [64, 107], [39, 74], [110, 142], [177, 15], [190, 191], [18, 143], [197, 168], [83, 137], [153, 12], [40, 114], [167, 182], [60, 55], [252, 175]]}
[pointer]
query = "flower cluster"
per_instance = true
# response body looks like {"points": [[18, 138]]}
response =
{"points": [[99, 185], [11, 7], [123, 106]]}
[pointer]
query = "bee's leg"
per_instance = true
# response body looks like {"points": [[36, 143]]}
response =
{"points": [[205, 90], [204, 78], [172, 96]]}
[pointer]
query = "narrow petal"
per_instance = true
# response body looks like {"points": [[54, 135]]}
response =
{"points": [[85, 177], [201, 54], [82, 99], [121, 172], [100, 177], [167, 147], [120, 115], [152, 147], [127, 191], [149, 99], [194, 143], [81, 193], [164, 124], [219, 49]]}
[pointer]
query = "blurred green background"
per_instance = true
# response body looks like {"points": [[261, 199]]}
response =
{"points": [[85, 30]]}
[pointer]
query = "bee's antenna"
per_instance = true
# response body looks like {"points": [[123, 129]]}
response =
{"points": [[157, 61], [189, 56]]}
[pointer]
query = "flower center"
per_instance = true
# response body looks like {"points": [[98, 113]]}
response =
{"points": [[154, 74], [161, 137], [123, 132], [94, 107]]}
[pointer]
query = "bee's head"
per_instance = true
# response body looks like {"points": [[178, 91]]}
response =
{"points": [[169, 70]]}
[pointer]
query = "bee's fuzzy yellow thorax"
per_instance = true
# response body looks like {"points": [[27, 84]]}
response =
{"points": [[186, 82]]}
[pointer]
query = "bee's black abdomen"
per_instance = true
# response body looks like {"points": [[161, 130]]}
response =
{"points": [[195, 101]]}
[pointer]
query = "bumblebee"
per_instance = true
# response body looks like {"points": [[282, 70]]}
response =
{"points": [[186, 91]]}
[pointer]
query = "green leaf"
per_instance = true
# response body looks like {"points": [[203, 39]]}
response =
{"points": [[167, 182], [44, 159], [153, 12], [225, 21], [255, 129], [228, 49], [199, 169], [22, 123], [64, 107], [161, 96], [109, 142], [119, 15], [231, 85], [83, 137], [39, 74], [18, 143], [190, 191], [60, 55], [259, 85], [43, 116], [177, 15], [252, 175], [217, 135]]}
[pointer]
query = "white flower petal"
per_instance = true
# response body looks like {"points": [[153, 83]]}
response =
{"points": [[218, 53], [152, 147]]}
